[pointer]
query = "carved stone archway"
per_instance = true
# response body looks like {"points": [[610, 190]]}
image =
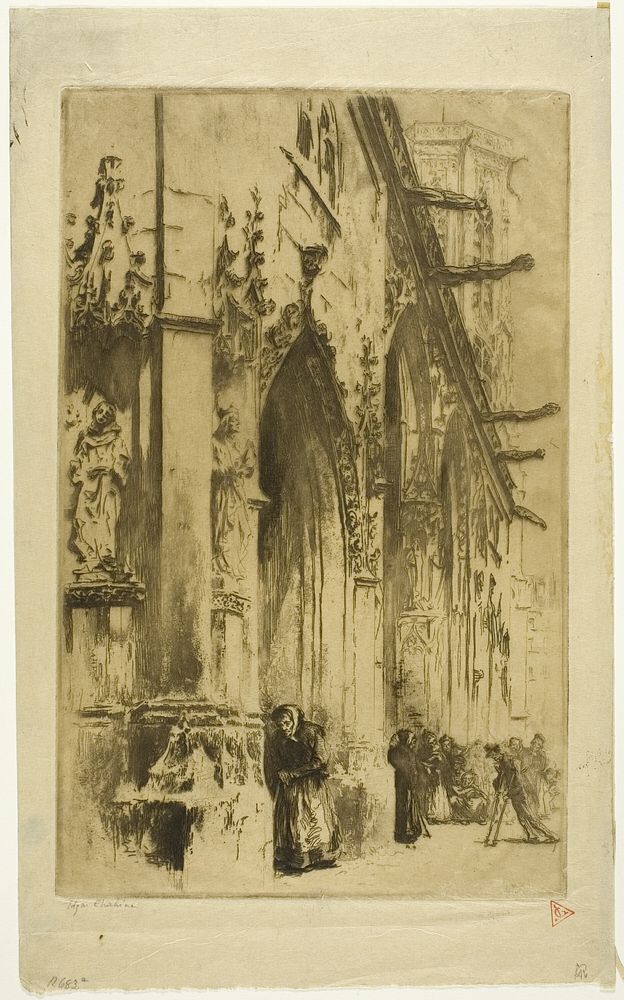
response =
{"points": [[309, 535], [414, 595], [456, 559]]}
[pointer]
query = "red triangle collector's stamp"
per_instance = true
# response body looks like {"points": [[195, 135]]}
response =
{"points": [[559, 912]]}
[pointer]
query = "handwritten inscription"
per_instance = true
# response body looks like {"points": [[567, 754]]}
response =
{"points": [[99, 904], [580, 972], [64, 983]]}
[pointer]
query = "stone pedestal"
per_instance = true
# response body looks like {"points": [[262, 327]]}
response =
{"points": [[168, 794], [364, 799], [230, 648], [100, 641], [194, 796]]}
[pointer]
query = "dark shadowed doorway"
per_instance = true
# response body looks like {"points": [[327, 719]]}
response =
{"points": [[301, 539]]}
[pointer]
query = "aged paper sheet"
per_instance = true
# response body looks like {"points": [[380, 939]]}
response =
{"points": [[313, 523]]}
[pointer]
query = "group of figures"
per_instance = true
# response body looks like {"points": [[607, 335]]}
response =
{"points": [[438, 781]]}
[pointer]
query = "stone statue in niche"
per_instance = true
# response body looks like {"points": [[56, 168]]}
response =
{"points": [[425, 580], [100, 469], [231, 529], [421, 555]]}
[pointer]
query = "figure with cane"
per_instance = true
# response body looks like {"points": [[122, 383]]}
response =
{"points": [[508, 788]]}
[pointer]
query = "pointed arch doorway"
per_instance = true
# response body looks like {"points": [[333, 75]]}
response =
{"points": [[303, 563], [415, 598]]}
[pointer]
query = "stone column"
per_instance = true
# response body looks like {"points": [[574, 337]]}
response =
{"points": [[230, 645], [251, 684], [187, 405], [364, 657], [367, 791]]}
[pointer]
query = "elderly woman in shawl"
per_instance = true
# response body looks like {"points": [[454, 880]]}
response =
{"points": [[306, 833]]}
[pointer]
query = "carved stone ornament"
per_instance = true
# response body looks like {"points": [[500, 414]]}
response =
{"points": [[236, 604], [346, 454], [478, 512], [313, 258], [240, 302], [104, 594], [353, 511], [443, 392], [369, 443], [421, 528], [369, 433], [106, 282], [400, 286], [420, 481], [277, 339]]}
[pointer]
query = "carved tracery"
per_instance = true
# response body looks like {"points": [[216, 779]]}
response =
{"points": [[107, 282]]}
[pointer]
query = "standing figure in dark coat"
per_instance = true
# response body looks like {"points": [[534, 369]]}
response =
{"points": [[409, 787], [306, 833], [508, 787]]}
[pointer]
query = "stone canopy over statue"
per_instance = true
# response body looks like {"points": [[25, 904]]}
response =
{"points": [[100, 469], [231, 529]]}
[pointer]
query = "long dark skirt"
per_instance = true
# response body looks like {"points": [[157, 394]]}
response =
{"points": [[306, 832], [408, 819]]}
